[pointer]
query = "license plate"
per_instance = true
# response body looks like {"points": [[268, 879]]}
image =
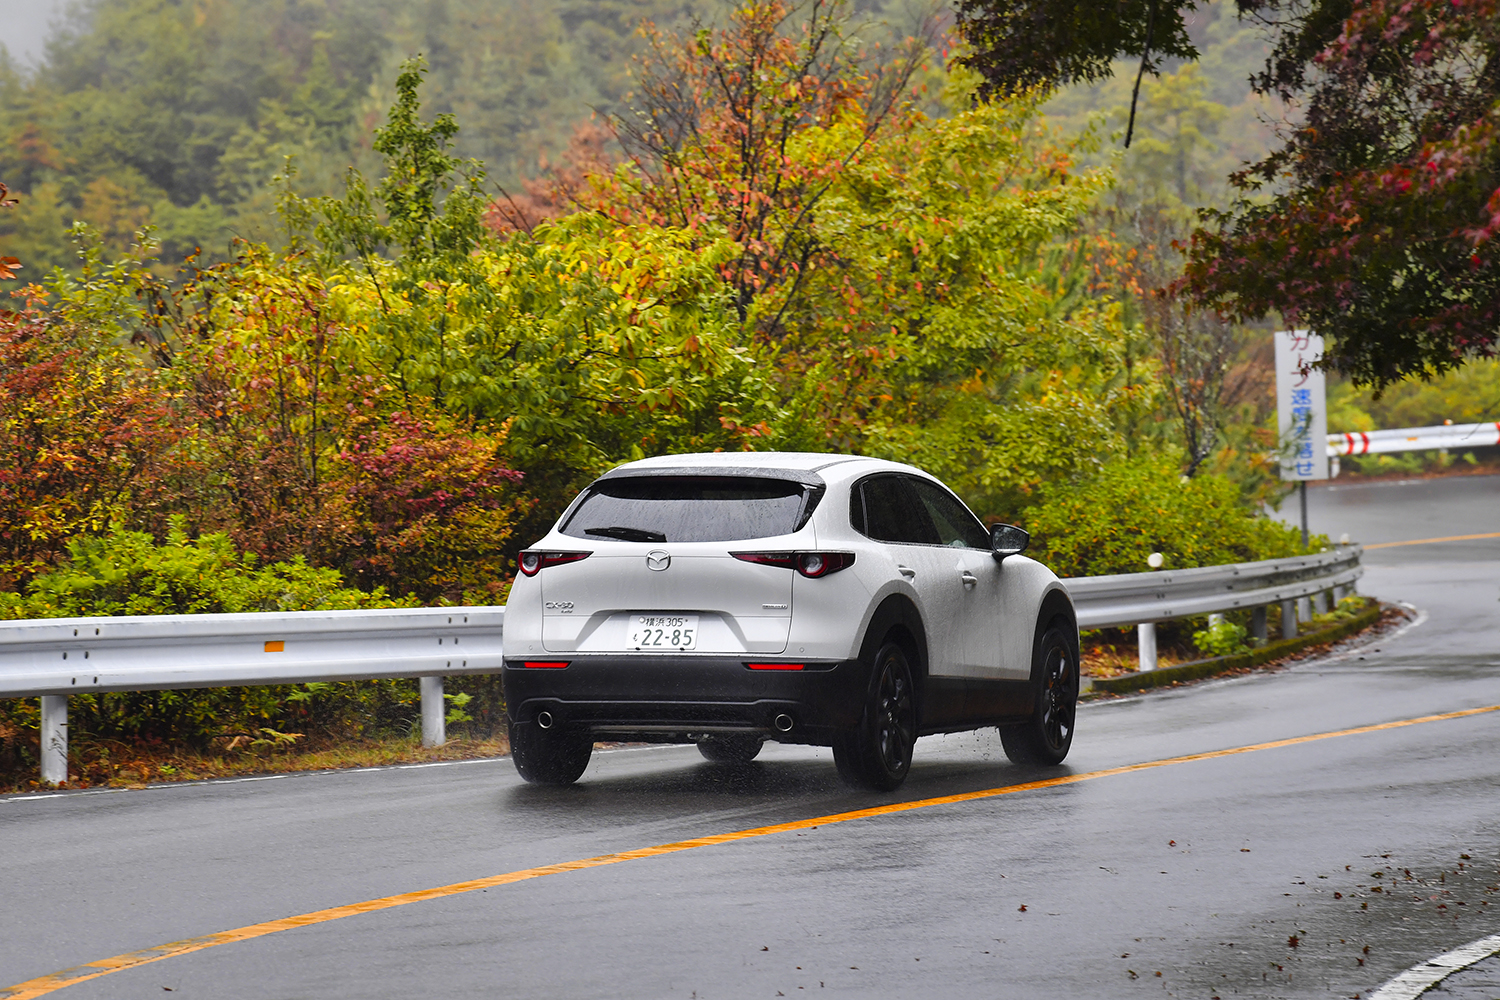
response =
{"points": [[663, 631]]}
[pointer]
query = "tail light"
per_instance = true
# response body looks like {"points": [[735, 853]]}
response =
{"points": [[816, 564], [533, 561], [774, 666], [546, 664], [809, 564]]}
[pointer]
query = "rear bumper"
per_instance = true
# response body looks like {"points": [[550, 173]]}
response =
{"points": [[679, 697]]}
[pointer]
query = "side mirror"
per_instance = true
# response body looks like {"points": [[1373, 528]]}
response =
{"points": [[1007, 540]]}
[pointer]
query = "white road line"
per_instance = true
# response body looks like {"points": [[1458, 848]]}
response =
{"points": [[168, 786], [174, 785], [1421, 978], [435, 763]]}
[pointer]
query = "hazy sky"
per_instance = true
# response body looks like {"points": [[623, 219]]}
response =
{"points": [[23, 25]]}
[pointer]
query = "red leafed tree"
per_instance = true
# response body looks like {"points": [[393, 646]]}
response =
{"points": [[557, 189], [87, 437], [8, 265], [1376, 224], [422, 502], [306, 455]]}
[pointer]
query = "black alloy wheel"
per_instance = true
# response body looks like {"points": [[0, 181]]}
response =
{"points": [[877, 754], [731, 748], [1046, 737], [553, 756]]}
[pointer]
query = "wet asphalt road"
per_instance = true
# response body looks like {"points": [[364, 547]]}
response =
{"points": [[1187, 880]]}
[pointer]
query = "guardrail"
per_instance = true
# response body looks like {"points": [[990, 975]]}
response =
{"points": [[1414, 439], [1143, 599], [58, 657]]}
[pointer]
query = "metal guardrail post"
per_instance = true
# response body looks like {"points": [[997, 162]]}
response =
{"points": [[433, 713], [1258, 624], [1289, 619], [54, 739], [1320, 602], [1145, 634]]}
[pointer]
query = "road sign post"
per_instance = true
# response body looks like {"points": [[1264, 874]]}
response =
{"points": [[1301, 411]]}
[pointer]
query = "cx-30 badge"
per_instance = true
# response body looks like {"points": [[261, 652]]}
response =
{"points": [[658, 560]]}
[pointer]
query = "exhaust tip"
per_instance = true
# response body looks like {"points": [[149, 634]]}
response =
{"points": [[544, 719], [783, 723]]}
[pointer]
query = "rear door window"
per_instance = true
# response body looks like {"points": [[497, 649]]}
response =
{"points": [[691, 509], [888, 510]]}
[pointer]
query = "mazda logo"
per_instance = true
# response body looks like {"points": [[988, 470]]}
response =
{"points": [[658, 560]]}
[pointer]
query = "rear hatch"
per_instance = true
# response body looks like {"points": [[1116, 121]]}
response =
{"points": [[662, 577]]}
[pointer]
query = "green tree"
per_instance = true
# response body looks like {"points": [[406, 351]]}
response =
{"points": [[179, 115], [586, 341], [1022, 45], [1176, 157]]}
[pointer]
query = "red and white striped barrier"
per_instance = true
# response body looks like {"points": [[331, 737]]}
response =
{"points": [[1454, 436]]}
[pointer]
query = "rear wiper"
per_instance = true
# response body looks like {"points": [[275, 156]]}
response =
{"points": [[628, 534]]}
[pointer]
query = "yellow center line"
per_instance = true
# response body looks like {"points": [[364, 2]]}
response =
{"points": [[1431, 541], [104, 966]]}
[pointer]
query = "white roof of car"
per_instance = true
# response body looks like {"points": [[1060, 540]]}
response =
{"points": [[783, 461], [806, 460]]}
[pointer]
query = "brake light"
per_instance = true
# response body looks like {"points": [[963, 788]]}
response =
{"points": [[774, 666], [545, 664], [809, 564], [533, 561]]}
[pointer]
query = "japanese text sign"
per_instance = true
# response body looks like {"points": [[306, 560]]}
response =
{"points": [[1301, 406]]}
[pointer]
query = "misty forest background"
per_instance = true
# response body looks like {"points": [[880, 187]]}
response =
{"points": [[179, 116]]}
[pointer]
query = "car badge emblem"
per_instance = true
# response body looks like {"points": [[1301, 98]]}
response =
{"points": [[658, 560]]}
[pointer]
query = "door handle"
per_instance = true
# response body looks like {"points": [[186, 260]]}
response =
{"points": [[906, 571], [969, 580]]}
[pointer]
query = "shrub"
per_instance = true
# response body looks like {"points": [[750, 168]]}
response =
{"points": [[84, 431], [1347, 608], [129, 573], [1223, 638], [1113, 521]]}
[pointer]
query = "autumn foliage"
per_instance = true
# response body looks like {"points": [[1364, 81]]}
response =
{"points": [[779, 248], [1376, 223], [86, 435]]}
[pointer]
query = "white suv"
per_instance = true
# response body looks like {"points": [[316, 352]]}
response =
{"points": [[729, 598]]}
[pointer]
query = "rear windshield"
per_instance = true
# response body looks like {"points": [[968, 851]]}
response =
{"points": [[691, 509]]}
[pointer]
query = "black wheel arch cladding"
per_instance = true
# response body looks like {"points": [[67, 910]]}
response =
{"points": [[896, 620]]}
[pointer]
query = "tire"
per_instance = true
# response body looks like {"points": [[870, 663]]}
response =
{"points": [[1045, 738], [732, 749], [549, 756], [876, 755]]}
